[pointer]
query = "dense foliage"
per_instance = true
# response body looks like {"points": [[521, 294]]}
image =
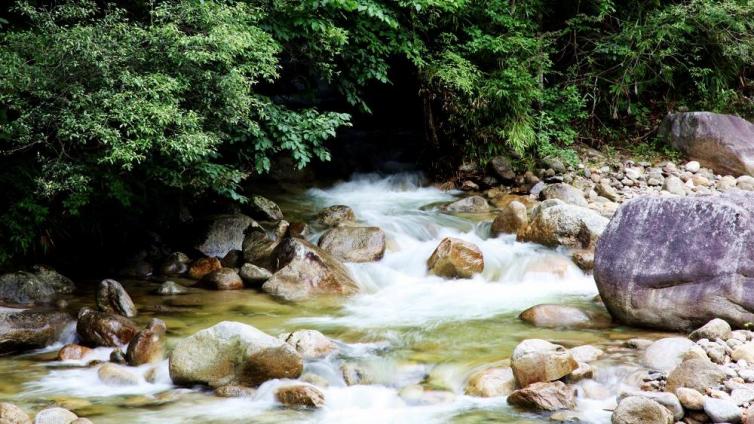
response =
{"points": [[120, 105]]}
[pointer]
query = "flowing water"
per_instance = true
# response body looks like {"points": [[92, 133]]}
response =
{"points": [[416, 337]]}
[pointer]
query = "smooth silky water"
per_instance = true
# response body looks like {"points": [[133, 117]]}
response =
{"points": [[407, 328]]}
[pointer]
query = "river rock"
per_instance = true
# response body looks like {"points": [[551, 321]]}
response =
{"points": [[586, 353], [668, 400], [232, 391], [744, 352], [646, 279], [73, 352], [491, 382], [544, 396], [535, 360], [332, 216], [264, 209], [720, 142], [640, 410], [27, 288], [259, 248], [148, 346], [113, 298], [584, 259], [715, 329], [223, 279], [674, 185], [12, 414], [456, 258], [354, 244], [511, 219], [301, 395], [560, 316], [223, 234], [666, 354], [102, 329], [203, 266], [27, 330], [697, 374], [117, 375], [232, 353], [556, 224], [502, 168], [722, 410], [170, 288], [471, 204], [311, 344], [254, 275], [304, 270], [564, 192], [175, 265], [690, 398], [55, 416]]}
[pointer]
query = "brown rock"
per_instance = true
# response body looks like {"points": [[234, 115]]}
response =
{"points": [[304, 395], [456, 258], [113, 299], [513, 218], [103, 329], [202, 267], [491, 382], [697, 374], [561, 316], [72, 352], [231, 391], [335, 215], [148, 346], [223, 279], [535, 360], [543, 396], [354, 244]]}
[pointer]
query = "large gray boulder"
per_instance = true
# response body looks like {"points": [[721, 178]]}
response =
{"points": [[232, 353], [554, 223], [224, 233], [304, 271], [354, 244], [724, 143], [26, 330], [565, 192], [676, 263], [43, 285]]}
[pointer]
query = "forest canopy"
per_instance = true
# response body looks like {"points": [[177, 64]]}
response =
{"points": [[117, 106]]}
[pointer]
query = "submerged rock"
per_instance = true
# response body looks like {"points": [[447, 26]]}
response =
{"points": [[232, 353], [535, 360], [720, 142], [55, 416], [27, 288], [335, 215], [148, 346], [304, 395], [234, 391], [170, 288], [117, 375], [556, 224], [224, 233], [471, 204], [354, 244], [113, 298], [561, 316], [27, 330], [544, 396], [102, 329], [702, 272], [305, 271], [491, 382], [456, 258], [12, 414]]}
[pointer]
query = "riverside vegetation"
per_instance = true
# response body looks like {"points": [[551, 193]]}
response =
{"points": [[540, 275]]}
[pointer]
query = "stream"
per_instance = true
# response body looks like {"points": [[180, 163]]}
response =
{"points": [[416, 337]]}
